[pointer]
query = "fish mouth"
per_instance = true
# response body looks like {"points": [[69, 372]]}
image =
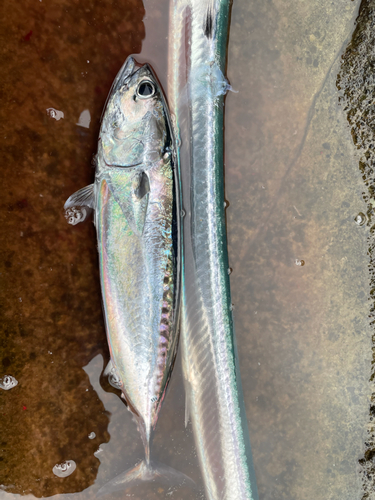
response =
{"points": [[126, 72], [128, 69]]}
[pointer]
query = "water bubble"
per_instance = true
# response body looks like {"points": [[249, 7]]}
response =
{"points": [[65, 468], [360, 219], [75, 215], [114, 380], [299, 262], [92, 435], [55, 113], [8, 382]]}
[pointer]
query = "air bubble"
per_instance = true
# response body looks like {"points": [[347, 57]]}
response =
{"points": [[360, 219], [299, 262], [55, 113], [183, 213], [114, 380], [8, 382], [65, 468], [75, 215], [92, 435], [230, 270]]}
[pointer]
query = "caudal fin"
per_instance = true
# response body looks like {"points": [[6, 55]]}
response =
{"points": [[143, 472]]}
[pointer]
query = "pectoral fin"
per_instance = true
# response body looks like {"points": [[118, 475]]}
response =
{"points": [[82, 198], [78, 205]]}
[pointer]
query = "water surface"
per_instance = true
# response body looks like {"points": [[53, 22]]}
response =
{"points": [[294, 190]]}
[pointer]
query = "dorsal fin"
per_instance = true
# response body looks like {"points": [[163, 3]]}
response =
{"points": [[143, 186]]}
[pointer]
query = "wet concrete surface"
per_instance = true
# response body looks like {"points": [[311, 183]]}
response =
{"points": [[294, 188]]}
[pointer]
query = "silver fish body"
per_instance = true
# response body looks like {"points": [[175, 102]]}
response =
{"points": [[198, 40], [137, 217]]}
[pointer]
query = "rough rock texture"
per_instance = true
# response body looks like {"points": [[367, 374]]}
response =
{"points": [[356, 83]]}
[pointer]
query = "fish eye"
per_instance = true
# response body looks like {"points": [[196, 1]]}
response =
{"points": [[145, 90]]}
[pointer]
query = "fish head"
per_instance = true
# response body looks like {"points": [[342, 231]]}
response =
{"points": [[134, 123]]}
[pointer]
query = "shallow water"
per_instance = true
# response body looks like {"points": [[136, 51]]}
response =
{"points": [[294, 189]]}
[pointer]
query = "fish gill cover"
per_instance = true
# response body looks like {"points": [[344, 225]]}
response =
{"points": [[356, 84]]}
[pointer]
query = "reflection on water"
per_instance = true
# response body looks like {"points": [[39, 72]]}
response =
{"points": [[298, 229]]}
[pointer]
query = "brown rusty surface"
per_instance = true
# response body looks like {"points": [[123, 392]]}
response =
{"points": [[62, 54]]}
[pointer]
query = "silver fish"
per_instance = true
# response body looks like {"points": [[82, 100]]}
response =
{"points": [[137, 217], [198, 41]]}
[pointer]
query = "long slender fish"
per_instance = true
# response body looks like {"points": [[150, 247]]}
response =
{"points": [[198, 41], [137, 217]]}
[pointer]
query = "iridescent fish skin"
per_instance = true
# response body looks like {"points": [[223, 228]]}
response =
{"points": [[137, 218]]}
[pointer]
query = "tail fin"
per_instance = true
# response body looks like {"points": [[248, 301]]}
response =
{"points": [[153, 471]]}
